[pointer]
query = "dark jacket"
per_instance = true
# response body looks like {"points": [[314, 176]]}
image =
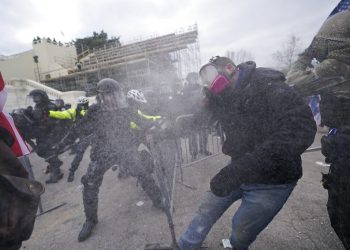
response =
{"points": [[267, 126], [19, 196], [110, 131]]}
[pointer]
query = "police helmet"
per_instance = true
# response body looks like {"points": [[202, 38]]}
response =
{"points": [[108, 85], [39, 95]]}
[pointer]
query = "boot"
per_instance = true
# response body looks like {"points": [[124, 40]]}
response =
{"points": [[47, 169], [86, 230], [90, 201], [152, 190], [70, 176], [55, 176]]}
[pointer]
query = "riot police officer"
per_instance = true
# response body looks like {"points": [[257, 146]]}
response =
{"points": [[112, 143], [47, 132], [73, 115]]}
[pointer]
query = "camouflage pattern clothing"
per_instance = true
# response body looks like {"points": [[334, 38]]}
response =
{"points": [[331, 79], [331, 47]]}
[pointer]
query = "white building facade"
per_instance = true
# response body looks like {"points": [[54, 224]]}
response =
{"points": [[53, 60]]}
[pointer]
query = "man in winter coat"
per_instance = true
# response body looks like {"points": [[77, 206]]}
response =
{"points": [[267, 126]]}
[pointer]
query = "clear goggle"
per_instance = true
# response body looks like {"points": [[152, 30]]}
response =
{"points": [[211, 77]]}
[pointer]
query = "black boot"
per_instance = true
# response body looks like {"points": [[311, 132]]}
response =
{"points": [[55, 172], [55, 176], [90, 201], [70, 176], [152, 190], [86, 230]]}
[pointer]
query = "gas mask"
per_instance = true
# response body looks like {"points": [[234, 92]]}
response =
{"points": [[213, 78], [218, 75]]}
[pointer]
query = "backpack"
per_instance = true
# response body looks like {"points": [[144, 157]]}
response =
{"points": [[18, 206]]}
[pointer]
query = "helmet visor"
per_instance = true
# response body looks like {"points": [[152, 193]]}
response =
{"points": [[112, 100]]}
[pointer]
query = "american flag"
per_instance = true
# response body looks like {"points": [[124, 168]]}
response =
{"points": [[19, 147], [342, 5]]}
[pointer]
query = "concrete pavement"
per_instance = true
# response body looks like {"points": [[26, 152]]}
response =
{"points": [[301, 224]]}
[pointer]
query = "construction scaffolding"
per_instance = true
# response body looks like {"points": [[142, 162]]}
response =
{"points": [[149, 63]]}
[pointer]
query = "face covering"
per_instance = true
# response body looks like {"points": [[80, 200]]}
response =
{"points": [[215, 81]]}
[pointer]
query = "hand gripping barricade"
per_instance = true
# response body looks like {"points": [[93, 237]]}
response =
{"points": [[169, 146]]}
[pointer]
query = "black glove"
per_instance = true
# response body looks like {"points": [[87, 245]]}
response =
{"points": [[224, 182], [244, 170]]}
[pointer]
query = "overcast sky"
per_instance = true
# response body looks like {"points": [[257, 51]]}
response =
{"points": [[257, 26]]}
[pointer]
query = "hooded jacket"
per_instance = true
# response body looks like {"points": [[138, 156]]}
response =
{"points": [[267, 126]]}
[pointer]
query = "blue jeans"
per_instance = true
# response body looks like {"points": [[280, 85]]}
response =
{"points": [[260, 203]]}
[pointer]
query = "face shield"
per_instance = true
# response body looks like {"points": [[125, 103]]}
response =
{"points": [[215, 80], [32, 100], [112, 100]]}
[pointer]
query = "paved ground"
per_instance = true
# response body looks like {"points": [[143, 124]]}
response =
{"points": [[302, 223]]}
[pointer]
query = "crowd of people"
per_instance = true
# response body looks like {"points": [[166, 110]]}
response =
{"points": [[267, 124]]}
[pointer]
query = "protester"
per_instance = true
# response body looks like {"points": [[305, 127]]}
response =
{"points": [[267, 126], [331, 80], [19, 196]]}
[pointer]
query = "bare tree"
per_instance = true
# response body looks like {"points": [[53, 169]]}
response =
{"points": [[239, 56], [288, 54]]}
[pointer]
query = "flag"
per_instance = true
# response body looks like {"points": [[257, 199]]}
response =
{"points": [[19, 147], [342, 5], [314, 103]]}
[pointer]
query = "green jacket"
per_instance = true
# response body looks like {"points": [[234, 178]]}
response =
{"points": [[148, 118], [69, 114]]}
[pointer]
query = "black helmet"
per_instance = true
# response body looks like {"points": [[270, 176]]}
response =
{"points": [[110, 94], [108, 85], [39, 96], [39, 92]]}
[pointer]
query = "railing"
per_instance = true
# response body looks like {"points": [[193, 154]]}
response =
{"points": [[174, 152], [25, 84]]}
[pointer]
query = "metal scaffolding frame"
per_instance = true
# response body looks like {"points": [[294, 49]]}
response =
{"points": [[137, 64]]}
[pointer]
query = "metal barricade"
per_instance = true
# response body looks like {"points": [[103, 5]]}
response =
{"points": [[164, 153], [197, 144], [175, 152]]}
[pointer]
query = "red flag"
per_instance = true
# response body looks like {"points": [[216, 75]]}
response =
{"points": [[19, 147]]}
